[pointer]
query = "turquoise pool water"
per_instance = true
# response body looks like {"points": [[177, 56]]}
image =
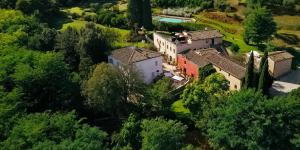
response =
{"points": [[172, 20]]}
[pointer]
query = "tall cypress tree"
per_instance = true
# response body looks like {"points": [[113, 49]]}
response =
{"points": [[262, 61], [135, 12], [249, 76], [139, 12], [147, 14], [264, 78]]}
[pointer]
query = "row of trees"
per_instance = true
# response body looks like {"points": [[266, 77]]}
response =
{"points": [[260, 80], [203, 4], [13, 3], [287, 4]]}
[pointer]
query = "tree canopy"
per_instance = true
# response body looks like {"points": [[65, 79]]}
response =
{"points": [[248, 120], [259, 26], [53, 131], [162, 134]]}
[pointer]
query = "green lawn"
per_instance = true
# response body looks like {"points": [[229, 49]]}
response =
{"points": [[121, 41]]}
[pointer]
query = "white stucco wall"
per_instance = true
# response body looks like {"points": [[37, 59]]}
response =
{"points": [[171, 49], [149, 69]]}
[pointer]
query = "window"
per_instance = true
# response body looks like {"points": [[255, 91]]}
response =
{"points": [[157, 71], [184, 62], [235, 86], [111, 61], [156, 63]]}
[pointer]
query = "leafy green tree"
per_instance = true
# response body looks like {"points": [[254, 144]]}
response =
{"points": [[249, 76], [8, 3], [206, 71], [222, 5], [159, 95], [53, 131], [112, 90], [15, 27], [129, 134], [131, 84], [94, 44], [67, 42], [247, 120], [42, 8], [196, 96], [11, 108], [42, 78], [285, 4], [45, 82], [161, 134], [103, 90], [44, 40], [259, 26]]}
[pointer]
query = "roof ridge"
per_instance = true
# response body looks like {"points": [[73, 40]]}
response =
{"points": [[131, 56]]}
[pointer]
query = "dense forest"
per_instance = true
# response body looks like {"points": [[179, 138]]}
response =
{"points": [[58, 92]]}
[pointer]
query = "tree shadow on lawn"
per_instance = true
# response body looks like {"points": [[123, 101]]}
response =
{"points": [[288, 38]]}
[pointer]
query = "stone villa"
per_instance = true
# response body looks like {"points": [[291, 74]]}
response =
{"points": [[171, 45], [148, 62], [190, 61]]}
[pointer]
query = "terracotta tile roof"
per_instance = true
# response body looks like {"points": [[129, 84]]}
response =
{"points": [[203, 57], [129, 55], [195, 58], [226, 65], [280, 55], [204, 34]]}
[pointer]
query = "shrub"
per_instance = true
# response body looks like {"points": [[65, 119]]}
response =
{"points": [[182, 12], [235, 47]]}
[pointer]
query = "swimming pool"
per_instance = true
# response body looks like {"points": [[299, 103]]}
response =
{"points": [[172, 20]]}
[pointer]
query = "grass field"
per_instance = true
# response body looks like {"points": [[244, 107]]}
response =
{"points": [[121, 41], [232, 31], [287, 22]]}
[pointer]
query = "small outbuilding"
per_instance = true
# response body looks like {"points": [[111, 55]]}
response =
{"points": [[280, 63]]}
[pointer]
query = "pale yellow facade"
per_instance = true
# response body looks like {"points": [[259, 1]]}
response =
{"points": [[234, 83], [279, 68]]}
